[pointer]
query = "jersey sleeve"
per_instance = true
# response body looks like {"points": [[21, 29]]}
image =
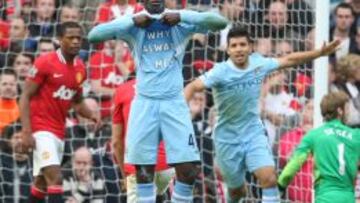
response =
{"points": [[38, 72], [271, 64], [118, 109], [212, 77], [201, 22], [297, 160]]}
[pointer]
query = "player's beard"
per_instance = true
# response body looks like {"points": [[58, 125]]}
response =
{"points": [[155, 6]]}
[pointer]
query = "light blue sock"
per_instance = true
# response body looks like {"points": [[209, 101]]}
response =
{"points": [[270, 195], [182, 193], [146, 193]]}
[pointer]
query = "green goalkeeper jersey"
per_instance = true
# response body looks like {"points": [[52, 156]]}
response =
{"points": [[336, 150]]}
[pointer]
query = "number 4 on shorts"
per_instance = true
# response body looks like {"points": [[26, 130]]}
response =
{"points": [[191, 140]]}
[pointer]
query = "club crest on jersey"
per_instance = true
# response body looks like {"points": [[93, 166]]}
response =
{"points": [[32, 72], [257, 70], [45, 155], [79, 77]]}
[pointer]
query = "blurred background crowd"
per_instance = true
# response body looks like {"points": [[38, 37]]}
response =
{"points": [[28, 29]]}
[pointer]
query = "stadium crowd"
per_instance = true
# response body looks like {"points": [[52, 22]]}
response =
{"points": [[28, 28]]}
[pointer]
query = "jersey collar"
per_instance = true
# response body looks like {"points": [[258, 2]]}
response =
{"points": [[62, 58]]}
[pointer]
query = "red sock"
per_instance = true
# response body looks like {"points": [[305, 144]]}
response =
{"points": [[55, 194], [36, 195]]}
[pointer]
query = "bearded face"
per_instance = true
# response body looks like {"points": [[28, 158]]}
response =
{"points": [[155, 6]]}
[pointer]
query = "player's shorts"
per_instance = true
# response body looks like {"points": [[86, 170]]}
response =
{"points": [[49, 151], [234, 159], [162, 181], [153, 120], [335, 196]]}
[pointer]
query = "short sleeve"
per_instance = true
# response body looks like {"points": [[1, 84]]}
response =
{"points": [[271, 64], [38, 72], [212, 77], [118, 109]]}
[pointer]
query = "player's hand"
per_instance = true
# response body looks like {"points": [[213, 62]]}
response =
{"points": [[171, 18], [142, 20], [330, 48], [26, 144], [282, 191]]}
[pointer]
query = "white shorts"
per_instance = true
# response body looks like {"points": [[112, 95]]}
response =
{"points": [[48, 151], [162, 181]]}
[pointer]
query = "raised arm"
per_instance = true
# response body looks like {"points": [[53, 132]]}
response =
{"points": [[298, 58], [118, 28], [194, 86], [297, 160], [207, 20]]}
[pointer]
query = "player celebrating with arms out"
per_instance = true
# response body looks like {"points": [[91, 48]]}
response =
{"points": [[158, 112], [336, 151], [54, 85], [240, 140]]}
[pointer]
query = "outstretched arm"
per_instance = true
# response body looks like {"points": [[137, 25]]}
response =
{"points": [[118, 28], [195, 86], [298, 58], [297, 160], [207, 20]]}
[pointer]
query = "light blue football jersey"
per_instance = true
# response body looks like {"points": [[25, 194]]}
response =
{"points": [[236, 95], [159, 49]]}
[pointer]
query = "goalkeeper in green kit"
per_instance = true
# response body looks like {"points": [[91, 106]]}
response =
{"points": [[335, 148]]}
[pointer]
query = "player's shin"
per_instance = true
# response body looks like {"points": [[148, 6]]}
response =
{"points": [[145, 188], [36, 195], [182, 193]]}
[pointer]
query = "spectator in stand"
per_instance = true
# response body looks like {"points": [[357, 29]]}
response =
{"points": [[263, 46], [276, 106], [84, 132], [45, 45], [42, 21], [21, 65], [355, 42], [15, 167], [300, 190], [108, 69], [122, 101], [9, 109], [300, 16], [276, 25], [115, 8], [68, 13], [83, 183], [348, 80], [344, 18], [19, 36]]}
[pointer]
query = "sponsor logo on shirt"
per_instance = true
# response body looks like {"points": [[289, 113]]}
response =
{"points": [[64, 93]]}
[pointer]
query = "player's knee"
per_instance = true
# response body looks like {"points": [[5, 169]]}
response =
{"points": [[268, 181], [145, 174], [237, 193], [40, 183], [187, 172], [52, 175]]}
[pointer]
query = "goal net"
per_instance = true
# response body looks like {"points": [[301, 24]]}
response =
{"points": [[277, 28]]}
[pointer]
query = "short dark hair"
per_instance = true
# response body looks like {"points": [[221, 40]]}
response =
{"points": [[345, 6], [238, 31], [8, 71], [67, 25], [7, 134]]}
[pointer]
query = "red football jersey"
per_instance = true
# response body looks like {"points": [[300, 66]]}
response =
{"points": [[59, 83], [122, 101]]}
